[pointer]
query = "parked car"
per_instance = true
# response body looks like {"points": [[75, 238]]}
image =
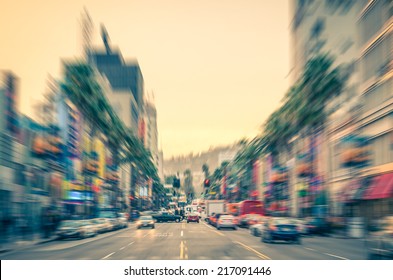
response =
{"points": [[123, 219], [280, 228], [193, 217], [379, 240], [71, 229], [102, 224], [317, 225], [113, 218], [226, 221], [87, 228], [145, 221]]}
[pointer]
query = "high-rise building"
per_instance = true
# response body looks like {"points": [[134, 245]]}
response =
{"points": [[8, 103], [126, 82], [124, 89], [375, 32], [320, 27]]}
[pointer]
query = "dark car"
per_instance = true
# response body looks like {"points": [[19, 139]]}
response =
{"points": [[167, 217], [317, 225], [280, 228], [379, 240], [193, 217]]}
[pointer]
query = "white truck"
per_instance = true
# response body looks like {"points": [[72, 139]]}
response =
{"points": [[214, 207]]}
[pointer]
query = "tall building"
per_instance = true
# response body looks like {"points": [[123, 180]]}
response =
{"points": [[151, 133], [11, 188], [324, 26], [124, 89], [375, 31], [125, 79], [8, 102]]}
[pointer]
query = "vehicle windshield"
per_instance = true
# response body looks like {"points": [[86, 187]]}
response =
{"points": [[70, 223], [107, 214], [146, 218], [226, 217], [284, 221]]}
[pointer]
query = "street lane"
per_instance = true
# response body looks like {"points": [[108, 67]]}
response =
{"points": [[195, 241]]}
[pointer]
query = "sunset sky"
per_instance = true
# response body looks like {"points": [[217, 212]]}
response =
{"points": [[218, 68]]}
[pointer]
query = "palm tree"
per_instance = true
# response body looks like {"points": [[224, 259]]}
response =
{"points": [[205, 170], [82, 89]]}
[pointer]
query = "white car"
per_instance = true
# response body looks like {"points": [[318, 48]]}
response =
{"points": [[256, 229], [226, 221], [123, 219]]}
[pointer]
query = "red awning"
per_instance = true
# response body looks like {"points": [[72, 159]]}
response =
{"points": [[382, 187]]}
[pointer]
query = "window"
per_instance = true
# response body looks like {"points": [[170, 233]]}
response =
{"points": [[380, 145]]}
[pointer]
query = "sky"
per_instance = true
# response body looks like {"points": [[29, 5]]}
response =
{"points": [[218, 68]]}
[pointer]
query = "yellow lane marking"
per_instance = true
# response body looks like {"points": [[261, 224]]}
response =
{"points": [[183, 248], [262, 256]]}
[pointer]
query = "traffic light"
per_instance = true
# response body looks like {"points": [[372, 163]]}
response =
{"points": [[206, 183]]}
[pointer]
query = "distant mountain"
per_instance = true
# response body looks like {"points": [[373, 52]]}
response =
{"points": [[213, 158]]}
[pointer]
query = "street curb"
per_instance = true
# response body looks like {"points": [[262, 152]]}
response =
{"points": [[3, 251]]}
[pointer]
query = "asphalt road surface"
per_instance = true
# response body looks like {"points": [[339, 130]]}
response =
{"points": [[194, 241]]}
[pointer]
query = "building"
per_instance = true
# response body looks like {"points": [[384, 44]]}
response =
{"points": [[124, 88], [12, 198], [125, 78], [317, 27], [375, 31]]}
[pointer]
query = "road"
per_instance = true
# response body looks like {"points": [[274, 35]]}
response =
{"points": [[174, 241]]}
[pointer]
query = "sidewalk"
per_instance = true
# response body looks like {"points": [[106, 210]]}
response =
{"points": [[20, 243]]}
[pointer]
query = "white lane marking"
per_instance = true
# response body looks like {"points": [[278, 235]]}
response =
{"points": [[107, 256], [209, 226], [309, 249], [335, 256], [130, 243], [122, 248], [181, 233]]}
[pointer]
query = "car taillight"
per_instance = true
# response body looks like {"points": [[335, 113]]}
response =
{"points": [[272, 227]]}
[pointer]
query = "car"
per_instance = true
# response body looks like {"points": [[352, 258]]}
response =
{"points": [[302, 227], [280, 228], [317, 225], [256, 229], [145, 221], [123, 219], [248, 220], [102, 224], [167, 217], [193, 217], [226, 221], [379, 240], [72, 229], [87, 228], [213, 219], [113, 218]]}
